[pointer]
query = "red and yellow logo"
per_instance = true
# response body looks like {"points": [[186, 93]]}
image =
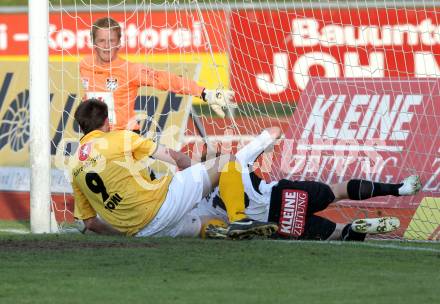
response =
{"points": [[84, 151]]}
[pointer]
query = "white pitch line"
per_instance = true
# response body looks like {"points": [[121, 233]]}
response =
{"points": [[18, 231], [365, 244]]}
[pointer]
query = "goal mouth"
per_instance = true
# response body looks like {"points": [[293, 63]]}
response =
{"points": [[353, 87]]}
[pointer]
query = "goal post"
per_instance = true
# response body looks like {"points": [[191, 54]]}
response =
{"points": [[39, 108]]}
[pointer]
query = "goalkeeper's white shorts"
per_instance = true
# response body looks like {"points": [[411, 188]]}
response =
{"points": [[176, 217]]}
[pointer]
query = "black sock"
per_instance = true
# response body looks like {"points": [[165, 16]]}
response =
{"points": [[360, 189], [349, 235]]}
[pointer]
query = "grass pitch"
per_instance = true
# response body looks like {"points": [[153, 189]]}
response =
{"points": [[75, 268]]}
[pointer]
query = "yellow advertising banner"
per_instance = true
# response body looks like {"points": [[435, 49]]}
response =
{"points": [[425, 223]]}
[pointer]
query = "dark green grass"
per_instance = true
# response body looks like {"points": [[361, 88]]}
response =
{"points": [[58, 269]]}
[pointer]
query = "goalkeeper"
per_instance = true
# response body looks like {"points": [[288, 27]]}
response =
{"points": [[108, 77], [113, 194], [293, 204]]}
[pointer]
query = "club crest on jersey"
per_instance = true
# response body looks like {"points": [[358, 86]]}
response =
{"points": [[111, 84], [85, 83], [84, 151]]}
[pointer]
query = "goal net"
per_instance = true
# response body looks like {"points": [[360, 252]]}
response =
{"points": [[353, 85]]}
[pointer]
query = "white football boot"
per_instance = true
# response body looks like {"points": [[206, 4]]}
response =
{"points": [[376, 225], [411, 185]]}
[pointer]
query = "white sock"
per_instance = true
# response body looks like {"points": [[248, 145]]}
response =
{"points": [[255, 147]]}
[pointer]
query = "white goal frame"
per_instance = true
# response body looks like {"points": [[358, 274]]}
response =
{"points": [[39, 111]]}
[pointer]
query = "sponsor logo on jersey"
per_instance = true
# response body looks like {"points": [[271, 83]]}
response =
{"points": [[111, 84], [293, 213], [84, 151]]}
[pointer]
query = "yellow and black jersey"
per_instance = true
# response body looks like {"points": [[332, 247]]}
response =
{"points": [[110, 179]]}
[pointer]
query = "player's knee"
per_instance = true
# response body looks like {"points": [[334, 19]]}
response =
{"points": [[220, 165], [226, 162], [339, 190]]}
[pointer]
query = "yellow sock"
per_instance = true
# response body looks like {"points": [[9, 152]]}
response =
{"points": [[232, 191], [213, 221]]}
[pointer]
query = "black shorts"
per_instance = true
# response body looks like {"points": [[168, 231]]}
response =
{"points": [[320, 196]]}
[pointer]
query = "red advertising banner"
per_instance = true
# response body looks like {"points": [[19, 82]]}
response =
{"points": [[274, 53], [375, 129], [144, 33]]}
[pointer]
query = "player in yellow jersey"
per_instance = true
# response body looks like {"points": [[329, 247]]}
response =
{"points": [[116, 81], [108, 180]]}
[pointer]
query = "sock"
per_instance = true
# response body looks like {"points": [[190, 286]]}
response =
{"points": [[232, 191], [350, 235], [360, 189], [249, 153]]}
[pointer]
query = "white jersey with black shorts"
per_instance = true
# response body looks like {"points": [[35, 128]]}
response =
{"points": [[257, 191], [271, 202]]}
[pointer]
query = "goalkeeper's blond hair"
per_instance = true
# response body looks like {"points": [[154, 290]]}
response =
{"points": [[106, 23]]}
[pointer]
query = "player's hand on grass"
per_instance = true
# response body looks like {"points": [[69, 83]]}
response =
{"points": [[219, 99]]}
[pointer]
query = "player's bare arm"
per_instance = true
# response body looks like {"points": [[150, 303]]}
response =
{"points": [[96, 225], [179, 159]]}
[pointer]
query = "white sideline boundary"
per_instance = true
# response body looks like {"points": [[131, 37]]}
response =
{"points": [[363, 244], [27, 231]]}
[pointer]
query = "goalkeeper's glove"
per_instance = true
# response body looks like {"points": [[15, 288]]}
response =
{"points": [[218, 99]]}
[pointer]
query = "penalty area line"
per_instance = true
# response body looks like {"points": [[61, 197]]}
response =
{"points": [[364, 244]]}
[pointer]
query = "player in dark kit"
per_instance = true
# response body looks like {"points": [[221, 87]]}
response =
{"points": [[293, 204]]}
